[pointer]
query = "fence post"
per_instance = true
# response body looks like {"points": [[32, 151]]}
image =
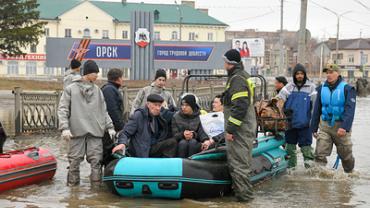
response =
{"points": [[126, 107], [18, 113], [212, 91], [59, 95]]}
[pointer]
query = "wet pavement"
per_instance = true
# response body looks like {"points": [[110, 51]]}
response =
{"points": [[300, 188]]}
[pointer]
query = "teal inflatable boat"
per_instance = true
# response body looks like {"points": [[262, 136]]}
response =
{"points": [[203, 175]]}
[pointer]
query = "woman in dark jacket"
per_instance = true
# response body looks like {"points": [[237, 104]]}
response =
{"points": [[187, 128]]}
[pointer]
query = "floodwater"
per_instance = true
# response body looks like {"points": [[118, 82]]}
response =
{"points": [[300, 188]]}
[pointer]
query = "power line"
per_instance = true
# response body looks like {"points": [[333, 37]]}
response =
{"points": [[254, 17], [362, 4]]}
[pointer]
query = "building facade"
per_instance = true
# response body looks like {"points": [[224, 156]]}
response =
{"points": [[109, 20], [353, 56]]}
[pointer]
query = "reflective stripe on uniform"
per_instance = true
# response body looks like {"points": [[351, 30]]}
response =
{"points": [[235, 121], [239, 95]]}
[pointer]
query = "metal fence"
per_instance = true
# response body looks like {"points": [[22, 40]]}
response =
{"points": [[37, 111]]}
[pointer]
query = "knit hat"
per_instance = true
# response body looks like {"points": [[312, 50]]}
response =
{"points": [[154, 98], [332, 67], [75, 64], [90, 66], [232, 56], [160, 73], [190, 100], [281, 79]]}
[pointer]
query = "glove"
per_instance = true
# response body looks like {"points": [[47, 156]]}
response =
{"points": [[66, 134], [111, 133]]}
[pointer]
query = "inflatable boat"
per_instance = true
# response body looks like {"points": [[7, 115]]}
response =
{"points": [[203, 175], [24, 167]]}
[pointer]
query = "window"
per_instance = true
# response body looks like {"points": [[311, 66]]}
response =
{"points": [[31, 68], [105, 34], [47, 32], [340, 56], [365, 59], [210, 36], [157, 35], [191, 36], [124, 34], [351, 59], [67, 33], [12, 67], [33, 48], [86, 33], [174, 35], [49, 71]]}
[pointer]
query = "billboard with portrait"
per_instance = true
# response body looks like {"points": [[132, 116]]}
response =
{"points": [[249, 47]]}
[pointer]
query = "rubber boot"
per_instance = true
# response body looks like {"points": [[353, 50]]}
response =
{"points": [[308, 156], [292, 154]]}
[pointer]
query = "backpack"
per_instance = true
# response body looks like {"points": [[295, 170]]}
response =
{"points": [[270, 115]]}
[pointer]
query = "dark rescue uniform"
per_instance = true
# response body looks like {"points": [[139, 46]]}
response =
{"points": [[240, 121]]}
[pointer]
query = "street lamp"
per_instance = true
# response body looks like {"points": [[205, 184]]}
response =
{"points": [[338, 19], [180, 19]]}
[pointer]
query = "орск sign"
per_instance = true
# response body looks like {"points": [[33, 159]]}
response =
{"points": [[100, 51], [118, 53]]}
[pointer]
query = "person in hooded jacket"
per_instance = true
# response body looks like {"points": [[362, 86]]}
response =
{"points": [[187, 128], [299, 97], [72, 73], [83, 119], [157, 87]]}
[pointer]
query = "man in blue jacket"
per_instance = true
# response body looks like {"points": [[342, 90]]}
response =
{"points": [[333, 115], [299, 97], [146, 133]]}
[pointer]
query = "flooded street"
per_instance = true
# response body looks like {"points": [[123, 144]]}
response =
{"points": [[301, 188]]}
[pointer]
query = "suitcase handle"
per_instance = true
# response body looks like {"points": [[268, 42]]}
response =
{"points": [[168, 186], [124, 184]]}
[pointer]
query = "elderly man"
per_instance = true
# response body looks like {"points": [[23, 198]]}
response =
{"points": [[146, 133], [332, 119]]}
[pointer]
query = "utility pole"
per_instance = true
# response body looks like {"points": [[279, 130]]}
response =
{"points": [[321, 59], [281, 68], [302, 33], [337, 41]]}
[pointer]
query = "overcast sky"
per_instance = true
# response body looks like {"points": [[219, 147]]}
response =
{"points": [[264, 15]]}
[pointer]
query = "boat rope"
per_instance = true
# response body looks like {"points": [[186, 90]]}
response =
{"points": [[336, 164]]}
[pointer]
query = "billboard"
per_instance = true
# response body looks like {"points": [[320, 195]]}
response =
{"points": [[109, 53], [249, 47], [182, 53]]}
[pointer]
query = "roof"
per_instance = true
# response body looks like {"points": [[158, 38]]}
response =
{"points": [[350, 44], [168, 13], [51, 9]]}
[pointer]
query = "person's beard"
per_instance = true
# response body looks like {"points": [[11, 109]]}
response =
{"points": [[300, 82]]}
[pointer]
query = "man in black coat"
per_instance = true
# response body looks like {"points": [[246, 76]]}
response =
{"points": [[146, 133], [114, 102], [113, 98]]}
